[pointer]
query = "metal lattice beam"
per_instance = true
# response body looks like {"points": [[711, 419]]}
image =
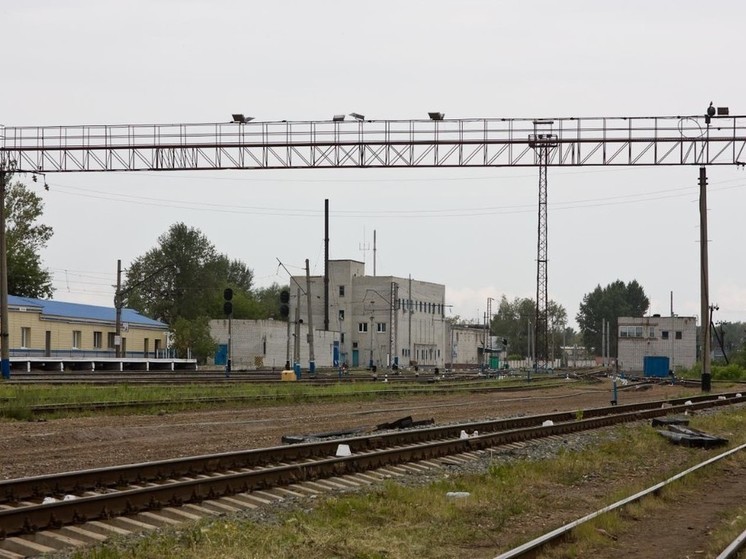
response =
{"points": [[625, 141]]}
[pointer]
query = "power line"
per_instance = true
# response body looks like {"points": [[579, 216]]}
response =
{"points": [[452, 212]]}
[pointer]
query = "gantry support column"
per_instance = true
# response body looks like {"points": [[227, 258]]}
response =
{"points": [[543, 142]]}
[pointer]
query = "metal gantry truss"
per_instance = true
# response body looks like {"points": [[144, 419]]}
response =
{"points": [[494, 142]]}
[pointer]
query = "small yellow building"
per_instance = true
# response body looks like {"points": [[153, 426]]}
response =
{"points": [[44, 328]]}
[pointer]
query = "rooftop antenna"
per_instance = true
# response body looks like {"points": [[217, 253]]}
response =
{"points": [[374, 252], [364, 247]]}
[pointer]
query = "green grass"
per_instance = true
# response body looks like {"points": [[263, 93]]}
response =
{"points": [[512, 502]]}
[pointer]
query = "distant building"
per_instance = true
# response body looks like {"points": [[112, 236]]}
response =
{"points": [[46, 328], [674, 337], [384, 321], [466, 346]]}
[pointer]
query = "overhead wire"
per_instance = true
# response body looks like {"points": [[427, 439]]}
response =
{"points": [[390, 213]]}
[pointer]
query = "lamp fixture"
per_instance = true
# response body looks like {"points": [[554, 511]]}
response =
{"points": [[436, 116], [240, 118]]}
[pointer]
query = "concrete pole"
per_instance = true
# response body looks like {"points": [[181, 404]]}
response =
{"points": [[326, 264], [118, 312], [311, 355], [704, 281], [296, 341], [4, 326]]}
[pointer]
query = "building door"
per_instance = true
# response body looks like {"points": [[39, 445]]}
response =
{"points": [[157, 347], [124, 347], [221, 355], [48, 344], [146, 343], [355, 357]]}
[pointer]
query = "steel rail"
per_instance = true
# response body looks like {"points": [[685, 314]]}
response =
{"points": [[734, 548], [530, 549], [252, 470]]}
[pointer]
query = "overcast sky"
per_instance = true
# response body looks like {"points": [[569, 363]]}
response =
{"points": [[474, 230]]}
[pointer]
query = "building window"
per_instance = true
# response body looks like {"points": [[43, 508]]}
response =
{"points": [[341, 314], [381, 327], [664, 334], [110, 340], [630, 331], [678, 334], [97, 340], [354, 345], [25, 337], [341, 290], [77, 339], [341, 337], [362, 327]]}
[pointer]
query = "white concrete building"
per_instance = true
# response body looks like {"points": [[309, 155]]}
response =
{"points": [[466, 342], [674, 337], [263, 344], [381, 320]]}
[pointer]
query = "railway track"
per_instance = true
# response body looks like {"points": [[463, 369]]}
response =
{"points": [[88, 503], [537, 545]]}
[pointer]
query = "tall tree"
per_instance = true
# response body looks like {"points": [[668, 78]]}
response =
{"points": [[609, 303], [184, 277], [25, 238], [514, 321]]}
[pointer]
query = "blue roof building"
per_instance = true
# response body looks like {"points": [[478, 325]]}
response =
{"points": [[47, 328]]}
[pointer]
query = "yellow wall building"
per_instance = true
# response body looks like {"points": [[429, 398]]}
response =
{"points": [[43, 328]]}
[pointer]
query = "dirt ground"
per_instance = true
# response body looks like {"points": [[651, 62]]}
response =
{"points": [[681, 529]]}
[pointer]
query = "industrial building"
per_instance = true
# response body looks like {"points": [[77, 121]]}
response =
{"points": [[674, 337], [383, 321]]}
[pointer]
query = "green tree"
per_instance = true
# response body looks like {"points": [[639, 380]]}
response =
{"points": [[184, 277], [268, 301], [25, 238], [191, 338], [609, 303], [512, 322]]}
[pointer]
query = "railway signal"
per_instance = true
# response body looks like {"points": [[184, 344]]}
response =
{"points": [[284, 303]]}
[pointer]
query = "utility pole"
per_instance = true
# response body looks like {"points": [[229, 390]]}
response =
{"points": [[704, 281], [393, 323], [118, 306], [4, 326], [411, 310], [296, 341], [326, 265], [311, 355]]}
